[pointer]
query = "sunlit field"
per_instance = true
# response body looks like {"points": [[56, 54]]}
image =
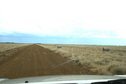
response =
{"points": [[94, 58], [9, 46]]}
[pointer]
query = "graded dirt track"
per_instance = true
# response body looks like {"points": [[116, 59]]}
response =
{"points": [[37, 61]]}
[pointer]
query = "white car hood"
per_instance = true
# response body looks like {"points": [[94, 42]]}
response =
{"points": [[74, 79]]}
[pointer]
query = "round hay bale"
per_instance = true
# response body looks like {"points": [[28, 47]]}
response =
{"points": [[106, 49], [59, 46]]}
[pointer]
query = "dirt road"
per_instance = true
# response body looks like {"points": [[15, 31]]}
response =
{"points": [[38, 61]]}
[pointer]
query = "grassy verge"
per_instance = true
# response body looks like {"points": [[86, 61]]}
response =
{"points": [[111, 62]]}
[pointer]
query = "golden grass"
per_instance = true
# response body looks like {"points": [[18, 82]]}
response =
{"points": [[111, 62], [9, 46]]}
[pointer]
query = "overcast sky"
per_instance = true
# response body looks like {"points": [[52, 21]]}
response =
{"points": [[64, 18]]}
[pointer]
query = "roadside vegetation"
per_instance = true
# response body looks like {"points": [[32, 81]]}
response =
{"points": [[9, 46], [93, 57]]}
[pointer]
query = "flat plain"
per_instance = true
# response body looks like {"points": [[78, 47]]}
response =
{"points": [[30, 60], [34, 60], [9, 46], [93, 57]]}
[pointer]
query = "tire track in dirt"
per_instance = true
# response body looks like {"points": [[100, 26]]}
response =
{"points": [[38, 61]]}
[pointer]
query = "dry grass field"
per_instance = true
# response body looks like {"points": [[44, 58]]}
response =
{"points": [[7, 50], [111, 62], [9, 46]]}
